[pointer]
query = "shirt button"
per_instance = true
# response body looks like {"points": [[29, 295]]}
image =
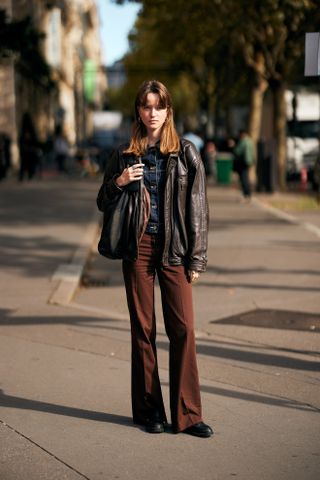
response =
{"points": [[153, 205]]}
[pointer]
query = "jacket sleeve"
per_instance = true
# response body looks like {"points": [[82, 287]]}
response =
{"points": [[197, 211], [109, 188]]}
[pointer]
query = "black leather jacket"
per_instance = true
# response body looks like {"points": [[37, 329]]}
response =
{"points": [[186, 211]]}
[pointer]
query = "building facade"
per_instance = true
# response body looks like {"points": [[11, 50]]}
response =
{"points": [[71, 47]]}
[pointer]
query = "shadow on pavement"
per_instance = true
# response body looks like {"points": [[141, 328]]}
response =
{"points": [[47, 203], [10, 401], [257, 398], [26, 404], [34, 256], [253, 357], [297, 245], [102, 272], [256, 286], [245, 221], [267, 400], [7, 320], [242, 271], [252, 346], [212, 348]]}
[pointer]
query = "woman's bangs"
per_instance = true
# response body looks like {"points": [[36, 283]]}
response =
{"points": [[142, 100], [163, 99]]}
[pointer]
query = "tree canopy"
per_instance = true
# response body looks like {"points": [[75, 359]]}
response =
{"points": [[219, 44], [223, 52]]}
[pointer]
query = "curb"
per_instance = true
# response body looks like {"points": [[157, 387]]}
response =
{"points": [[67, 276], [286, 216]]}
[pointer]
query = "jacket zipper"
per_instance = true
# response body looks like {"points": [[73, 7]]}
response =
{"points": [[140, 213], [167, 221]]}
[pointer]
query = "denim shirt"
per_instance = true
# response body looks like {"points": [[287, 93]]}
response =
{"points": [[155, 180]]}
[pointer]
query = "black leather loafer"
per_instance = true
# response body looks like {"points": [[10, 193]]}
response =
{"points": [[199, 430], [154, 424]]}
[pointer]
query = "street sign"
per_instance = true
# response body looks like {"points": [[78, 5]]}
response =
{"points": [[312, 55]]}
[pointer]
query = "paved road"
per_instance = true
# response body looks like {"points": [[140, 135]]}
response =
{"points": [[65, 369]]}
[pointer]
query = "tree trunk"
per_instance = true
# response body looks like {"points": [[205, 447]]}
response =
{"points": [[216, 116], [259, 86], [205, 101], [256, 104], [280, 126]]}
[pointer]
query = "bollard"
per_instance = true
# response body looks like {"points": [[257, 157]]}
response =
{"points": [[303, 179]]}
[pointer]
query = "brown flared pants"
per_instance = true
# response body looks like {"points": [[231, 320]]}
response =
{"points": [[176, 296]]}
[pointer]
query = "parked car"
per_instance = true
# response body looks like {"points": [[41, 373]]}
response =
{"points": [[303, 130]]}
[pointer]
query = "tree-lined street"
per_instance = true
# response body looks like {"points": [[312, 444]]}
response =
{"points": [[65, 370], [235, 70]]}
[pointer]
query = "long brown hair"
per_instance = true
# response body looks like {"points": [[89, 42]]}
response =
{"points": [[169, 141]]}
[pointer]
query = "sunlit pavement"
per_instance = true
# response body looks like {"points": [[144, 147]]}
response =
{"points": [[65, 369]]}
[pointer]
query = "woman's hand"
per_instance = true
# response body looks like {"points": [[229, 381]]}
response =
{"points": [[130, 174], [193, 276]]}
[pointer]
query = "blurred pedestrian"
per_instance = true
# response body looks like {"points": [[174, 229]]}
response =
{"points": [[316, 178], [5, 156], [209, 155], [243, 160], [29, 148], [169, 238], [194, 137], [61, 149]]}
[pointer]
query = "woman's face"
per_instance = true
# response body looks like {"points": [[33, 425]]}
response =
{"points": [[152, 115]]}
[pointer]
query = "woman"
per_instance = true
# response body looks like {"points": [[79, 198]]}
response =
{"points": [[172, 242], [61, 149], [29, 148], [243, 160]]}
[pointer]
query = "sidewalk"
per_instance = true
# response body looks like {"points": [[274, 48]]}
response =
{"points": [[65, 368]]}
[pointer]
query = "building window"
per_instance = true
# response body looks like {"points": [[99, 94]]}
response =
{"points": [[54, 38]]}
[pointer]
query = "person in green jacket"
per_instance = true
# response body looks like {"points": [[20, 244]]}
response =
{"points": [[243, 160]]}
